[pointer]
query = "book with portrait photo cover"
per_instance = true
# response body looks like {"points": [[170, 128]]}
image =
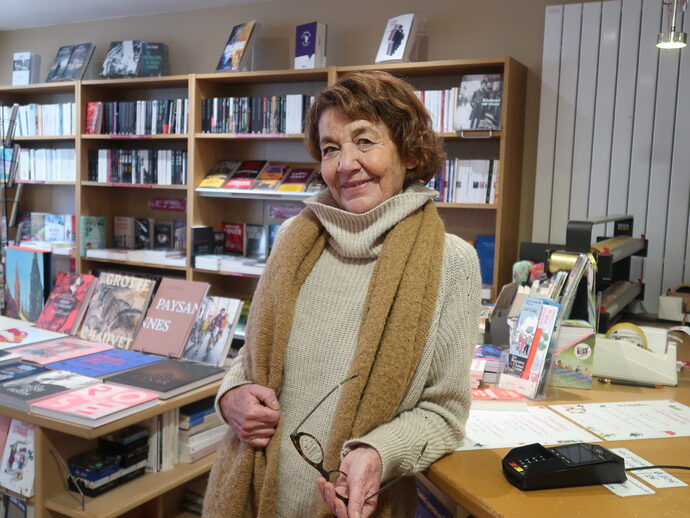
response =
{"points": [[21, 393], [236, 47], [168, 377], [398, 39], [479, 102]]}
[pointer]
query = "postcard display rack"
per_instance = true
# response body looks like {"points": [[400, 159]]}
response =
{"points": [[200, 206]]}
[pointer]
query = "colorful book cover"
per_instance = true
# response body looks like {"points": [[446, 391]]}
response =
{"points": [[245, 175], [95, 405], [235, 48], [234, 238], [59, 349], [521, 340], [92, 229], [116, 309], [4, 430], [170, 317], [296, 179], [27, 274], [67, 302], [271, 176], [573, 358], [19, 459], [18, 370], [168, 377], [21, 393], [310, 45], [219, 173], [17, 336], [104, 363], [213, 330]]}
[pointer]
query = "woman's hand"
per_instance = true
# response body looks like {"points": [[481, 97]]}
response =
{"points": [[363, 467], [252, 411]]}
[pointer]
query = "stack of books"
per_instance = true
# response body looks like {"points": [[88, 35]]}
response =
{"points": [[201, 430]]}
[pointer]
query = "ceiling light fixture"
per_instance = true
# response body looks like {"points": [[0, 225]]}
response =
{"points": [[673, 39]]}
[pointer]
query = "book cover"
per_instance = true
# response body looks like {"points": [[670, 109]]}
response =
{"points": [[19, 459], [573, 357], [246, 173], [143, 233], [497, 399], [25, 68], [57, 69], [123, 232], [162, 235], [58, 349], [179, 229], [272, 235], [310, 45], [122, 59], [95, 405], [168, 377], [170, 317], [5, 429], [270, 176], [78, 61], [523, 336], [28, 277], [116, 309], [67, 303], [236, 47], [397, 40], [104, 363], [486, 246], [256, 241], [234, 237], [296, 179], [16, 336], [18, 370], [213, 330], [94, 118], [479, 102], [244, 315], [21, 393], [154, 59], [202, 241], [219, 173], [92, 230]]}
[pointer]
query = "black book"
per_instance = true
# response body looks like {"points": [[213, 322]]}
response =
{"points": [[154, 59], [21, 393], [59, 66], [162, 235], [78, 61]]}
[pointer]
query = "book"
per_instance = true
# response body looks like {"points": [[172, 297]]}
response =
{"points": [[234, 238], [310, 45], [94, 118], [16, 336], [573, 355], [246, 173], [57, 69], [123, 232], [143, 233], [162, 235], [497, 399], [78, 61], [7, 357], [4, 430], [59, 349], [18, 370], [486, 246], [154, 59], [116, 309], [19, 459], [28, 279], [213, 330], [170, 317], [67, 302], [236, 47], [219, 173], [296, 179], [21, 393], [95, 405], [271, 176], [397, 40], [103, 363], [25, 68], [479, 102], [168, 377], [92, 231], [202, 241], [123, 59], [256, 237]]}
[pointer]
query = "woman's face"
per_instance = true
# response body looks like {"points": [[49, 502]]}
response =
{"points": [[360, 162]]}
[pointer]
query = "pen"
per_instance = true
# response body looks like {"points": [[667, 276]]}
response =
{"points": [[628, 382]]}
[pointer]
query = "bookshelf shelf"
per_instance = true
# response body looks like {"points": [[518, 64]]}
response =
{"points": [[150, 186], [46, 183], [138, 264], [250, 136], [45, 138], [166, 136], [252, 194], [469, 206], [227, 274]]}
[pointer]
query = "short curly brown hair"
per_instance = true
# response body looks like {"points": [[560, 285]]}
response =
{"points": [[380, 97]]}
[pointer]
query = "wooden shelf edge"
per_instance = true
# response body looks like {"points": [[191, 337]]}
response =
{"points": [[134, 263], [151, 186], [33, 138], [252, 194], [249, 136], [157, 136]]}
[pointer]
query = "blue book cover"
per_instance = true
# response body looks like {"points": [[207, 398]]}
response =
{"points": [[485, 246], [27, 274], [106, 362], [18, 370]]}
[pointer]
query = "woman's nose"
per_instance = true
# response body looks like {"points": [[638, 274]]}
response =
{"points": [[349, 158]]}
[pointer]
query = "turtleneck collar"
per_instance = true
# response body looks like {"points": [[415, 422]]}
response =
{"points": [[361, 236]]}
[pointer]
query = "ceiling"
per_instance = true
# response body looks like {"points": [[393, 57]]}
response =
{"points": [[23, 14]]}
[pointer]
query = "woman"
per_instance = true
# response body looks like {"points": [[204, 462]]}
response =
{"points": [[362, 285]]}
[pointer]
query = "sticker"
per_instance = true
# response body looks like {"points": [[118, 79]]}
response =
{"points": [[655, 477], [631, 487]]}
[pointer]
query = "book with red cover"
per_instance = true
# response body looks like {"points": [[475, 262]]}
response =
{"points": [[58, 350], [170, 317], [271, 176], [297, 179], [246, 173], [497, 399], [67, 302], [234, 237], [95, 405]]}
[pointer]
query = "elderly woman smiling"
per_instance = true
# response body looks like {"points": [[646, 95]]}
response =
{"points": [[355, 370]]}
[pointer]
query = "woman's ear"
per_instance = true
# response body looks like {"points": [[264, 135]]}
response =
{"points": [[410, 163]]}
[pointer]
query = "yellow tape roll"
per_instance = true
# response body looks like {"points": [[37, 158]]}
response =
{"points": [[629, 327]]}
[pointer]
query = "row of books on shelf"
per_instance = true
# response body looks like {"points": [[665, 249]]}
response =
{"points": [[237, 240], [47, 165], [467, 181], [46, 227], [273, 114], [35, 120], [138, 166], [153, 117], [264, 175], [130, 233]]}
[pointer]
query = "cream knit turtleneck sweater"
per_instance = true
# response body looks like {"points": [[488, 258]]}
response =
{"points": [[324, 335]]}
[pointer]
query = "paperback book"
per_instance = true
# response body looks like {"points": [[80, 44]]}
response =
{"points": [[92, 230], [271, 176], [59, 349], [310, 45], [28, 278], [397, 40], [213, 330], [117, 309], [154, 59], [234, 238], [95, 405], [67, 303], [78, 61], [123, 59], [19, 459], [219, 173], [105, 363], [296, 179], [232, 58], [21, 393], [25, 68], [19, 370], [479, 102], [246, 173], [57, 69], [18, 336]]}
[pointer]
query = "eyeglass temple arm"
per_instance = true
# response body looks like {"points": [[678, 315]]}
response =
{"points": [[403, 474], [324, 399]]}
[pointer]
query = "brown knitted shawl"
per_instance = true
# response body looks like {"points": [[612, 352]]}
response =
{"points": [[397, 314]]}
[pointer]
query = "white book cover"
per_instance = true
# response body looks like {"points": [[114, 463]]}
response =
{"points": [[21, 68], [397, 40], [18, 459]]}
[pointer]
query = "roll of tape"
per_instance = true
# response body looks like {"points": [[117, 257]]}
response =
{"points": [[631, 328]]}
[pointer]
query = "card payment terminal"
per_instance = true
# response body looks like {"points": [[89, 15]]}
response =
{"points": [[535, 467]]}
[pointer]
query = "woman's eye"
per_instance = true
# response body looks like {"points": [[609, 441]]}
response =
{"points": [[328, 151], [364, 143]]}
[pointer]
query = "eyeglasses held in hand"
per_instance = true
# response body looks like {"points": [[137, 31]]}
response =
{"points": [[310, 450]]}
